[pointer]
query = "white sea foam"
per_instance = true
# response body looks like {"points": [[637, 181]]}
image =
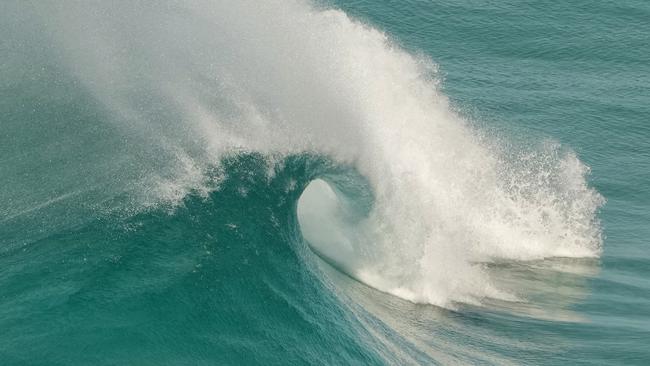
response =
{"points": [[201, 79]]}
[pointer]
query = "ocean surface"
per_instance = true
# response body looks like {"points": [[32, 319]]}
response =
{"points": [[362, 182]]}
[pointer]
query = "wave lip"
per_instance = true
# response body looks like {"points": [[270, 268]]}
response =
{"points": [[534, 219], [187, 85]]}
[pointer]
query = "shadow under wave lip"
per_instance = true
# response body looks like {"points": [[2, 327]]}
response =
{"points": [[548, 288]]}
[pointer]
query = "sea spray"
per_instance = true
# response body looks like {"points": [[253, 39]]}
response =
{"points": [[189, 84]]}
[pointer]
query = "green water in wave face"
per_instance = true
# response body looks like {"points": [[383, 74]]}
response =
{"points": [[220, 280], [222, 276]]}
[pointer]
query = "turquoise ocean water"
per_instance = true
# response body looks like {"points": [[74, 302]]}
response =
{"points": [[342, 182]]}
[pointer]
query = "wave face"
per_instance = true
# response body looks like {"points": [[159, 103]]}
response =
{"points": [[184, 151]]}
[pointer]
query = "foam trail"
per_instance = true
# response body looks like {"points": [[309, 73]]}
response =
{"points": [[194, 81]]}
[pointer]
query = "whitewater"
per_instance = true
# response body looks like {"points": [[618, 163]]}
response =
{"points": [[289, 78]]}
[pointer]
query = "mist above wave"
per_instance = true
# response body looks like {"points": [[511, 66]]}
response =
{"points": [[190, 83]]}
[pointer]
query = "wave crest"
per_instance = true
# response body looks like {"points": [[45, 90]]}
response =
{"points": [[189, 84]]}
